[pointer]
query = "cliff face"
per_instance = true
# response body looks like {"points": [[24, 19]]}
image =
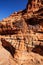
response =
{"points": [[21, 34]]}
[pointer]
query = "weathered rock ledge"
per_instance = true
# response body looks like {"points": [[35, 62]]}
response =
{"points": [[21, 36]]}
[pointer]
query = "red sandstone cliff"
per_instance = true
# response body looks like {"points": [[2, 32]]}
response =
{"points": [[21, 36]]}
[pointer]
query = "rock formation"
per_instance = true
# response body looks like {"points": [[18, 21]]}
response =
{"points": [[21, 36]]}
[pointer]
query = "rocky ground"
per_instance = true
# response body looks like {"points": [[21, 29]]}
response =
{"points": [[21, 36]]}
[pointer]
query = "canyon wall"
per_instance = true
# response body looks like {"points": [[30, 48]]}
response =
{"points": [[21, 35]]}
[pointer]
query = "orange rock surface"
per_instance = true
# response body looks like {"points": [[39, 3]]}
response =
{"points": [[21, 36]]}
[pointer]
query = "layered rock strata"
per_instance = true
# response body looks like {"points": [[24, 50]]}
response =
{"points": [[21, 34]]}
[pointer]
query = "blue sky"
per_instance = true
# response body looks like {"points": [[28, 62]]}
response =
{"points": [[8, 7]]}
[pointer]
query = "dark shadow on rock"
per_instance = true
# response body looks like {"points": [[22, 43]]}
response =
{"points": [[8, 46], [38, 49], [9, 32], [32, 21]]}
